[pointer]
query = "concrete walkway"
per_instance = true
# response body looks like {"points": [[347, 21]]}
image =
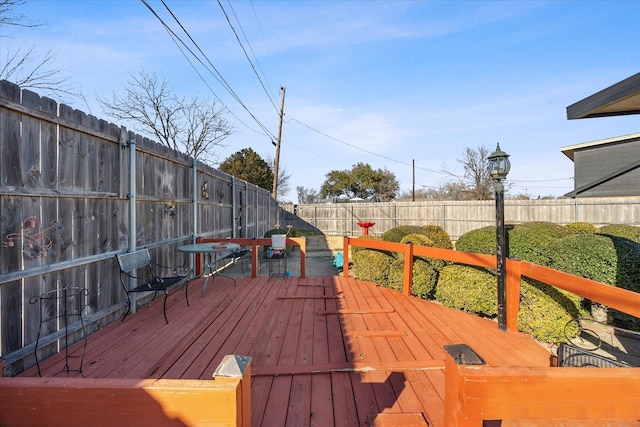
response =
{"points": [[320, 252]]}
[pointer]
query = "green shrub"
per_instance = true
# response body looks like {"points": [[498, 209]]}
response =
{"points": [[532, 241], [396, 234], [439, 237], [480, 241], [581, 228], [630, 232], [355, 249], [422, 240], [545, 310], [603, 258], [469, 289], [372, 265], [424, 277]]}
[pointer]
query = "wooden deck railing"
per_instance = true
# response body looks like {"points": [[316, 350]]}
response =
{"points": [[254, 243], [474, 394], [610, 296], [478, 393], [223, 400]]}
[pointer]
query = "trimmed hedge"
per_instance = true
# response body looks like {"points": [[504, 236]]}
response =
{"points": [[422, 240], [398, 233], [581, 228], [467, 288], [372, 265], [630, 232], [531, 241], [545, 310], [438, 236], [425, 277], [480, 241], [603, 258]]}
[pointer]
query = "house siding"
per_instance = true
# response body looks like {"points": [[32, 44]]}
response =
{"points": [[596, 162]]}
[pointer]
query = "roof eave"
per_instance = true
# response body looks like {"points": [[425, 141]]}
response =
{"points": [[622, 98]]}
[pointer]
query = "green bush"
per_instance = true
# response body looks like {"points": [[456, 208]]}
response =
{"points": [[372, 265], [545, 310], [422, 240], [424, 277], [439, 237], [581, 228], [630, 232], [396, 234], [603, 258], [469, 289], [532, 241], [480, 241], [355, 249]]}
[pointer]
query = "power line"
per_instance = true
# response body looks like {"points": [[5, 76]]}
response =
{"points": [[364, 150], [216, 74], [245, 51]]}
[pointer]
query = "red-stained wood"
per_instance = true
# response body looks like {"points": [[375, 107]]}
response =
{"points": [[476, 393], [79, 402], [341, 352]]}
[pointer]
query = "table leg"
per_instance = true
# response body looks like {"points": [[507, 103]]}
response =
{"points": [[213, 272]]}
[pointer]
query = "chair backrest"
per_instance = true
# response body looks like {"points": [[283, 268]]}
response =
{"points": [[133, 260]]}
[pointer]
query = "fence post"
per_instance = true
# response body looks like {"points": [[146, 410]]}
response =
{"points": [[131, 139]]}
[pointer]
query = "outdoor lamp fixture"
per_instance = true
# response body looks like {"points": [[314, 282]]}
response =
{"points": [[499, 166]]}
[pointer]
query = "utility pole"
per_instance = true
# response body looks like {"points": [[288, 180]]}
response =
{"points": [[413, 187], [277, 160]]}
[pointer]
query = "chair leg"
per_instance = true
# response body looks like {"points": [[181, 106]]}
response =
{"points": [[126, 313], [186, 293], [164, 306]]}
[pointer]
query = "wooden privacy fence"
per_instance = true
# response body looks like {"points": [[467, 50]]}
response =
{"points": [[458, 217], [75, 191]]}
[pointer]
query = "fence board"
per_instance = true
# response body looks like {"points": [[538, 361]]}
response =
{"points": [[70, 172]]}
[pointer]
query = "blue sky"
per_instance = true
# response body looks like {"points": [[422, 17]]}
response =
{"points": [[380, 82]]}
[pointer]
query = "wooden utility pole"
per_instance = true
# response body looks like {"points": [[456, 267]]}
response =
{"points": [[277, 160], [413, 187]]}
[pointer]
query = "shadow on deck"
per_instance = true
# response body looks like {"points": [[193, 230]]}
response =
{"points": [[325, 350]]}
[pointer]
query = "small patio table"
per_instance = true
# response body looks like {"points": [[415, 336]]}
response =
{"points": [[208, 249]]}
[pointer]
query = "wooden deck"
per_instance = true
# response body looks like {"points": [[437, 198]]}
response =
{"points": [[326, 351]]}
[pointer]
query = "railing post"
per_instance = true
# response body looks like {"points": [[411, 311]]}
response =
{"points": [[345, 257], [254, 258], [514, 276], [455, 390], [407, 280], [235, 367]]}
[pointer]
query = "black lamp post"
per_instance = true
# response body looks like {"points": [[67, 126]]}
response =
{"points": [[499, 166]]}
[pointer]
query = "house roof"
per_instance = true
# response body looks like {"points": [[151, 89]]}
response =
{"points": [[569, 150], [622, 98]]}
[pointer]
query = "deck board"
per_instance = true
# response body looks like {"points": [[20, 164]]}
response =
{"points": [[325, 350]]}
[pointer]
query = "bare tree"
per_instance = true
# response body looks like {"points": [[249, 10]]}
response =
{"points": [[27, 67], [307, 195], [476, 172], [283, 177], [186, 124], [9, 16]]}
